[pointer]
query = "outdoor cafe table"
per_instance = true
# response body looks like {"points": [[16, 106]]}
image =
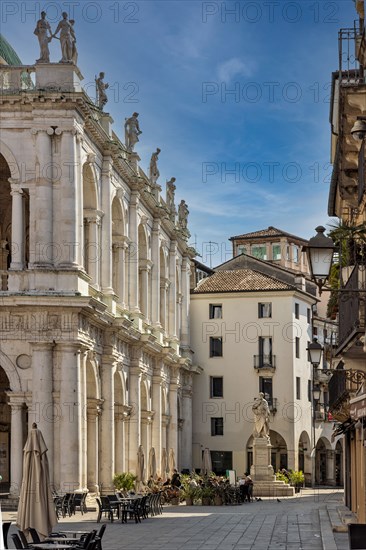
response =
{"points": [[74, 534]]}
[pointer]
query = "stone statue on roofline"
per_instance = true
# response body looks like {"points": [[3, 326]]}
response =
{"points": [[183, 215], [67, 39], [41, 31], [170, 198], [132, 131], [101, 87], [154, 170]]}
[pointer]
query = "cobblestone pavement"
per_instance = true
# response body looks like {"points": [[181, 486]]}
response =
{"points": [[291, 524]]}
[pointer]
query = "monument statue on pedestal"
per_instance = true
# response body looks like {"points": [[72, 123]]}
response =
{"points": [[132, 131], [261, 417], [41, 31], [101, 87], [154, 170]]}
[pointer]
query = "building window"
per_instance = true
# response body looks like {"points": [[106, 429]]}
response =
{"points": [[215, 347], [265, 350], [259, 252], [297, 347], [265, 386], [264, 310], [309, 390], [215, 311], [315, 331], [216, 386], [287, 252], [309, 315], [295, 254], [298, 389], [276, 251], [297, 311], [241, 249], [217, 426]]}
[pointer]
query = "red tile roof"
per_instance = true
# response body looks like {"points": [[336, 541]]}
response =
{"points": [[239, 280]]}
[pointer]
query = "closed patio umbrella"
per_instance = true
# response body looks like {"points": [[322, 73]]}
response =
{"points": [[171, 462], [36, 507], [164, 464], [140, 464], [206, 467], [152, 463]]}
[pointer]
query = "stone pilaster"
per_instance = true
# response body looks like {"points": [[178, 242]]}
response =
{"points": [[133, 256], [106, 465], [17, 403], [17, 227]]}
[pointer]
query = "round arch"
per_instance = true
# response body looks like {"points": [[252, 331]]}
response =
{"points": [[10, 160], [11, 372], [279, 456]]}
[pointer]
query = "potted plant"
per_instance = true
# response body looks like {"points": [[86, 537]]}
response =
{"points": [[189, 494], [296, 479], [207, 493], [219, 494], [124, 481], [174, 495]]}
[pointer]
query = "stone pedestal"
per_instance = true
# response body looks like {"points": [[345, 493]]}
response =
{"points": [[61, 77], [261, 469], [262, 474]]}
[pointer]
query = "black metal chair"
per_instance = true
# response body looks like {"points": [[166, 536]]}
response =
{"points": [[34, 534], [357, 536], [104, 507], [131, 509], [114, 502], [23, 539], [6, 527], [17, 542]]}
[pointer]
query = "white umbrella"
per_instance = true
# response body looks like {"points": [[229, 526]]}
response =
{"points": [[36, 507], [164, 464], [171, 462], [152, 463], [206, 467]]}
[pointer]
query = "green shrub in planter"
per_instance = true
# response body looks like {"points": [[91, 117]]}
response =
{"points": [[124, 481]]}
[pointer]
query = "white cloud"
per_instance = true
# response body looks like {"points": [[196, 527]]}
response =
{"points": [[234, 67]]}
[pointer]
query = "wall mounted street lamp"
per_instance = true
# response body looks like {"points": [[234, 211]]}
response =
{"points": [[359, 129], [320, 250]]}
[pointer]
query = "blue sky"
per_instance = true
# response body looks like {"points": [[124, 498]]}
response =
{"points": [[236, 95]]}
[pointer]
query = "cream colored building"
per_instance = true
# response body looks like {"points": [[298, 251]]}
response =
{"points": [[94, 299], [251, 323]]}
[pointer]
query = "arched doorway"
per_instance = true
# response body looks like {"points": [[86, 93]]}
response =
{"points": [[304, 456], [339, 464], [279, 458], [324, 462]]}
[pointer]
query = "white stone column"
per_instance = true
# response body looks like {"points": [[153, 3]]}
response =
{"points": [[173, 424], [119, 446], [106, 236], [84, 419], [184, 335], [94, 412], [172, 290], [186, 450], [156, 432], [42, 398], [71, 414], [44, 243], [93, 252], [107, 446], [134, 394], [133, 256], [17, 227], [144, 269], [120, 248], [155, 274], [67, 233], [164, 288], [16, 443]]}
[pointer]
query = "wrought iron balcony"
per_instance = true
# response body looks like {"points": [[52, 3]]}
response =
{"points": [[343, 385], [351, 314], [350, 46], [265, 361]]}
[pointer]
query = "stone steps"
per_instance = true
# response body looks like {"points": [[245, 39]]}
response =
{"points": [[272, 489]]}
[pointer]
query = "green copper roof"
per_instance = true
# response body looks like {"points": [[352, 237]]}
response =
{"points": [[7, 52]]}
